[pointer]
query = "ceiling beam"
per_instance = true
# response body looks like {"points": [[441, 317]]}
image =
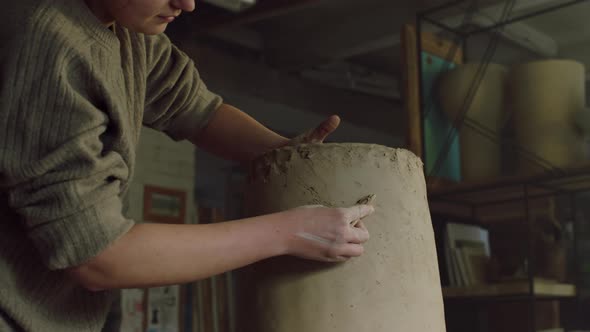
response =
{"points": [[368, 46], [210, 18], [519, 33], [241, 36], [357, 28], [363, 29], [372, 29], [357, 78]]}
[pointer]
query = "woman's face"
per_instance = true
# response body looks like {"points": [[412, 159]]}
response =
{"points": [[144, 16]]}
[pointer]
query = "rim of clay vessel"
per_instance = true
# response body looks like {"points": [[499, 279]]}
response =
{"points": [[338, 145], [284, 155], [304, 148]]}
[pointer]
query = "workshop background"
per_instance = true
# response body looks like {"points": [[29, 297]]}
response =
{"points": [[490, 94]]}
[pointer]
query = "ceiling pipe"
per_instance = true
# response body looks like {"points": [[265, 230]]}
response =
{"points": [[519, 33], [232, 5], [524, 36], [208, 19]]}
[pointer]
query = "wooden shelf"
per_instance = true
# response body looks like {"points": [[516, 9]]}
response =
{"points": [[507, 188], [541, 289], [506, 211], [504, 198]]}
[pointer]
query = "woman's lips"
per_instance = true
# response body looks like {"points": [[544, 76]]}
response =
{"points": [[167, 19]]}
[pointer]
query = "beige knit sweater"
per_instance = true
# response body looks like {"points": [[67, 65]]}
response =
{"points": [[73, 97]]}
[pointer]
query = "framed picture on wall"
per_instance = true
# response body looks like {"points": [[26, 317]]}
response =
{"points": [[164, 305], [164, 309], [164, 205]]}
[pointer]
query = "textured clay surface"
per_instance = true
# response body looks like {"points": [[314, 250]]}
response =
{"points": [[394, 286]]}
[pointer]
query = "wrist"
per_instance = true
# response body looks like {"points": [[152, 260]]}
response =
{"points": [[280, 233]]}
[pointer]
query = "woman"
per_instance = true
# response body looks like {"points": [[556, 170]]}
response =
{"points": [[79, 79]]}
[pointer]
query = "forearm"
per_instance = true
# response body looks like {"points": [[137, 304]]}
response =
{"points": [[152, 255], [234, 135]]}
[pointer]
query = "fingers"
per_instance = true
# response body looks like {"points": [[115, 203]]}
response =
{"points": [[358, 235], [310, 206], [361, 225], [327, 127], [315, 238], [330, 234], [345, 251], [357, 212]]}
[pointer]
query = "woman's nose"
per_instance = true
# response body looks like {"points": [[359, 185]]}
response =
{"points": [[185, 5]]}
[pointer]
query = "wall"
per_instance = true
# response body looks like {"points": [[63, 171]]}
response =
{"points": [[162, 162]]}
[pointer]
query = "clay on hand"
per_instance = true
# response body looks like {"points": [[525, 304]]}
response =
{"points": [[327, 234]]}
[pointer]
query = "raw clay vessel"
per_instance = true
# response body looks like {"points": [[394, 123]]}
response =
{"points": [[481, 155], [394, 286]]}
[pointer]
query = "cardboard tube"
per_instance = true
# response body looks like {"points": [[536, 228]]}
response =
{"points": [[545, 97]]}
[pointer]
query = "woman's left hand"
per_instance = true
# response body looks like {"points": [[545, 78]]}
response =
{"points": [[319, 134]]}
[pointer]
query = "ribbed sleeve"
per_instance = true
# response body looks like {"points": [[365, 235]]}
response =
{"points": [[60, 172], [178, 101]]}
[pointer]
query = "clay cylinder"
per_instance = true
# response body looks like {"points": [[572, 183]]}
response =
{"points": [[481, 155], [394, 286], [545, 97]]}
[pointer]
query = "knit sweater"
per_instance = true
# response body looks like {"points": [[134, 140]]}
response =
{"points": [[73, 97]]}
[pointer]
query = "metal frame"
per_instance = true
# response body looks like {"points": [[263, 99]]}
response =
{"points": [[546, 181], [463, 37], [526, 16]]}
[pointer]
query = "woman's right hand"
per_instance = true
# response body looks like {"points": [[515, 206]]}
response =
{"points": [[325, 234]]}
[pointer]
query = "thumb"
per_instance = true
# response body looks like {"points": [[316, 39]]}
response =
{"points": [[358, 212], [321, 132], [364, 206]]}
